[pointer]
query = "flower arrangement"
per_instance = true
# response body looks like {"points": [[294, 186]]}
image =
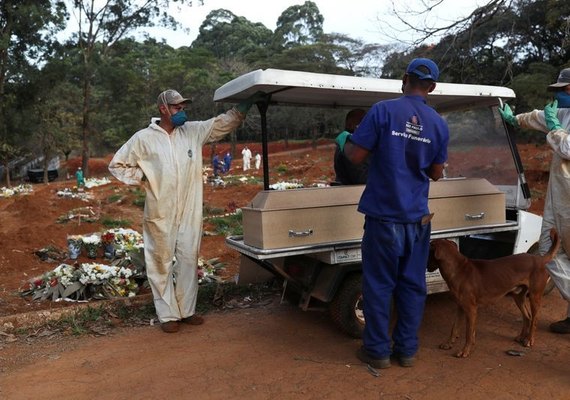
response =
{"points": [[84, 282], [20, 189], [126, 240], [92, 182], [285, 185], [108, 241], [208, 270], [108, 237], [91, 243], [74, 245]]}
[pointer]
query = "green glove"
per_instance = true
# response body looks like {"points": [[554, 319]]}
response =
{"points": [[508, 116], [257, 97], [341, 140], [551, 116]]}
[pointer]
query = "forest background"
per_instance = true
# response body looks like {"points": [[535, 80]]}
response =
{"points": [[87, 94]]}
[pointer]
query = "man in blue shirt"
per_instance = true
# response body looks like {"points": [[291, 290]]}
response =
{"points": [[216, 165], [406, 142], [227, 162]]}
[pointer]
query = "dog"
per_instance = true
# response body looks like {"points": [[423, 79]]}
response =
{"points": [[476, 282]]}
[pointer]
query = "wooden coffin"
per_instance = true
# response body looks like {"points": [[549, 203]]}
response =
{"points": [[298, 217]]}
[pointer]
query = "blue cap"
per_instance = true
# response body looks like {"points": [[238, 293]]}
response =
{"points": [[429, 70]]}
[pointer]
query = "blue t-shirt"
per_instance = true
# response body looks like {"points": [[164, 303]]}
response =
{"points": [[405, 137]]}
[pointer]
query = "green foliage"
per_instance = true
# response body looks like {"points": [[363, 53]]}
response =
{"points": [[228, 226], [103, 86], [208, 210], [114, 198], [281, 168], [227, 35], [77, 323], [299, 25], [110, 222], [140, 197]]}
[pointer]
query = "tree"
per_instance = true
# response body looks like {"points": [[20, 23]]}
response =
{"points": [[298, 25], [60, 123], [27, 30], [100, 26], [7, 154], [227, 35]]}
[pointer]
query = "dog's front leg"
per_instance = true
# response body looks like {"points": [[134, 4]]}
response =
{"points": [[459, 316], [470, 322]]}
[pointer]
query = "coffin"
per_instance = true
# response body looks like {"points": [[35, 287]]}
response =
{"points": [[298, 217]]}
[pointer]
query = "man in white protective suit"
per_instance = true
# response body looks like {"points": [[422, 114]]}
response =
{"points": [[246, 158], [166, 159], [555, 121]]}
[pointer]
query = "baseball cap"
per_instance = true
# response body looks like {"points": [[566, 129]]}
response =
{"points": [[424, 68], [171, 96], [563, 79]]}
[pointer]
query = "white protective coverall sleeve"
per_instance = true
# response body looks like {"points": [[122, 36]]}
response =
{"points": [[172, 225], [557, 207]]}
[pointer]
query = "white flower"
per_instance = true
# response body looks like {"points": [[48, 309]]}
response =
{"points": [[92, 239], [285, 185], [92, 182]]}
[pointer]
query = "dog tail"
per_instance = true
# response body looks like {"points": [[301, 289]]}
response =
{"points": [[555, 238]]}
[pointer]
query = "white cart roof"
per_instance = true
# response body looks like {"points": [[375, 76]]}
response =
{"points": [[340, 91]]}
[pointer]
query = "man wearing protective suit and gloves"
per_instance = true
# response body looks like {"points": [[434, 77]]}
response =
{"points": [[555, 121], [166, 159]]}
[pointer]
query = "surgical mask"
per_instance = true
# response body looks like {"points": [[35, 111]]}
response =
{"points": [[563, 99], [179, 118]]}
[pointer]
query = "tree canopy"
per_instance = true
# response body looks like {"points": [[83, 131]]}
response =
{"points": [[91, 92]]}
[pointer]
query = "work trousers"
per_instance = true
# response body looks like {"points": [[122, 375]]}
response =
{"points": [[394, 261]]}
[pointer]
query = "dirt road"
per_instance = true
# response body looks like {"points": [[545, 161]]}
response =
{"points": [[281, 352]]}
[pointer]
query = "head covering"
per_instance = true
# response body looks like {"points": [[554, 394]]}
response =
{"points": [[423, 68], [171, 96], [563, 79]]}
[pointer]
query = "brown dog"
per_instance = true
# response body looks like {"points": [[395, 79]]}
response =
{"points": [[476, 282]]}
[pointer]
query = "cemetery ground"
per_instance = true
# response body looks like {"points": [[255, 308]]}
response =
{"points": [[252, 345]]}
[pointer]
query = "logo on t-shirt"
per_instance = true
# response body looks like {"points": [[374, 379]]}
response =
{"points": [[190, 153], [413, 127]]}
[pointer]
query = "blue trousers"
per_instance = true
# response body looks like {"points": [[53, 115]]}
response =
{"points": [[394, 260]]}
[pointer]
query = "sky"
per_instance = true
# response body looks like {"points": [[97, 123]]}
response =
{"points": [[359, 19]]}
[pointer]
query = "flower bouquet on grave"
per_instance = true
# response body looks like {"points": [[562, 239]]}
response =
{"points": [[91, 244], [108, 241], [74, 244]]}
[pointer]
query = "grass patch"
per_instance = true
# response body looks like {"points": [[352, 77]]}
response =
{"points": [[213, 296], [78, 323], [103, 318], [140, 196], [115, 223], [230, 225], [114, 198], [281, 168], [209, 210]]}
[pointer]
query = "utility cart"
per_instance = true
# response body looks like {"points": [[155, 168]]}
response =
{"points": [[310, 237]]}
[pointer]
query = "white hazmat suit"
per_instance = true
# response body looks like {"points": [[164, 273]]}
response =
{"points": [[170, 169], [557, 203]]}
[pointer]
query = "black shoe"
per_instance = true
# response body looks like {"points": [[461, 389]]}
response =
{"points": [[405, 361], [378, 363], [561, 326]]}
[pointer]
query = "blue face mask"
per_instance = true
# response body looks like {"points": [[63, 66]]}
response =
{"points": [[563, 99], [179, 118]]}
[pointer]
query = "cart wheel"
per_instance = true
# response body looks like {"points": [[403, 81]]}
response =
{"points": [[549, 283], [346, 308]]}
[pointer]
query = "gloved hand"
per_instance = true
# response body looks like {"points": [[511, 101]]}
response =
{"points": [[551, 116], [508, 116], [341, 140], [257, 97]]}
